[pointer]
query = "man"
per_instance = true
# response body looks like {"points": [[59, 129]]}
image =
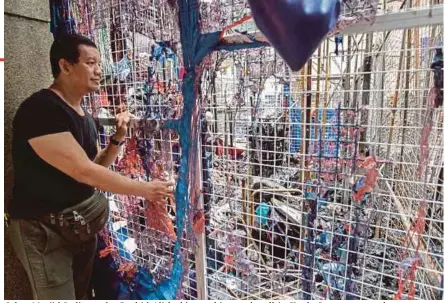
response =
{"points": [[57, 208]]}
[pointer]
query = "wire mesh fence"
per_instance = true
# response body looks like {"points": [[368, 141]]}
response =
{"points": [[322, 183], [317, 180]]}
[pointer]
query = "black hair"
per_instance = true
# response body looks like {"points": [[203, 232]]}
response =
{"points": [[67, 47]]}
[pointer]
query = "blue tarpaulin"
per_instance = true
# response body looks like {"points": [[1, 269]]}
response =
{"points": [[331, 134]]}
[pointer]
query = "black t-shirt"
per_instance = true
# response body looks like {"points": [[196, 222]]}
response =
{"points": [[40, 188]]}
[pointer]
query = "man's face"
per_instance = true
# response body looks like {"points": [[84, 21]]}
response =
{"points": [[86, 73]]}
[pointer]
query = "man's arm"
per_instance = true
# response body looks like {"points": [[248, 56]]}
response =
{"points": [[108, 155], [63, 152]]}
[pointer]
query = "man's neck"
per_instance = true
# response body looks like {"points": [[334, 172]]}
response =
{"points": [[68, 94]]}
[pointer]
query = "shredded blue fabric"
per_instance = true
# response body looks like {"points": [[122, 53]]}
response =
{"points": [[62, 21]]}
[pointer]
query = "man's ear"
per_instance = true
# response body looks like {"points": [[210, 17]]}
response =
{"points": [[65, 66]]}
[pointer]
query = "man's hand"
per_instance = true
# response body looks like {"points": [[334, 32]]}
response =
{"points": [[122, 121], [109, 154], [157, 191]]}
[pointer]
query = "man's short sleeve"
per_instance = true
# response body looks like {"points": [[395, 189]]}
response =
{"points": [[36, 118]]}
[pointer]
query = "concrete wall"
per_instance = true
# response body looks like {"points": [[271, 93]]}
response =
{"points": [[27, 69]]}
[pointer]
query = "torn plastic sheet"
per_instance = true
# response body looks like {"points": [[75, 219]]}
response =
{"points": [[109, 284], [122, 68]]}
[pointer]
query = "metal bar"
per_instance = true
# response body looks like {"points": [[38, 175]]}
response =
{"points": [[200, 249], [106, 121], [133, 122], [386, 22], [400, 20]]}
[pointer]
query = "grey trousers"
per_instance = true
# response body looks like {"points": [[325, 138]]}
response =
{"points": [[58, 254]]}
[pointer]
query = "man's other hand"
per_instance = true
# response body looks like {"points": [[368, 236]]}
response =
{"points": [[157, 191], [122, 121]]}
